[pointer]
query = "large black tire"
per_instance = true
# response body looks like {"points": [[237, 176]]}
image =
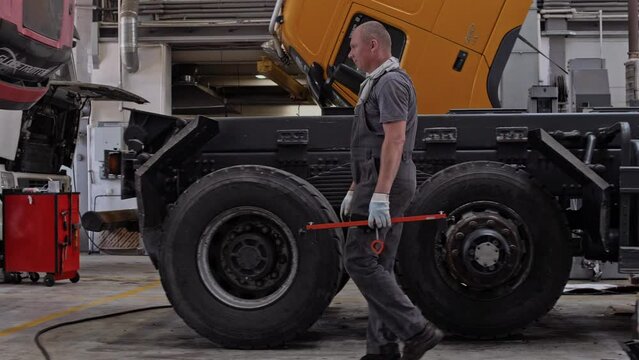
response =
{"points": [[500, 265], [236, 264]]}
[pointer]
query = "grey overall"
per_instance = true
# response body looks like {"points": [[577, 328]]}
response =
{"points": [[392, 315]]}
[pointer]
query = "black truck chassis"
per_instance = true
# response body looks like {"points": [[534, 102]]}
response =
{"points": [[222, 206]]}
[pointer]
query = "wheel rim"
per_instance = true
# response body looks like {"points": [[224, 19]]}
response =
{"points": [[487, 253], [247, 257]]}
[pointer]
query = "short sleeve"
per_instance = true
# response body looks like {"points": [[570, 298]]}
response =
{"points": [[393, 98]]}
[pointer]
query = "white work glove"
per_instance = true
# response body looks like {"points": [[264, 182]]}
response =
{"points": [[345, 209], [379, 211]]}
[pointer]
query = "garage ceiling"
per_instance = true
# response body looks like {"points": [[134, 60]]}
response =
{"points": [[215, 47]]}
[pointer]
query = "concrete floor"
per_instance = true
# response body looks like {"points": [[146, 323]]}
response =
{"points": [[579, 327]]}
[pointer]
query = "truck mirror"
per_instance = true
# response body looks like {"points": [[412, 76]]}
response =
{"points": [[348, 77]]}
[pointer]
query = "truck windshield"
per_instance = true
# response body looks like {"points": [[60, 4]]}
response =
{"points": [[43, 17]]}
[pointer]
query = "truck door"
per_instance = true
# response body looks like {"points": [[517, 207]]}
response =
{"points": [[442, 70]]}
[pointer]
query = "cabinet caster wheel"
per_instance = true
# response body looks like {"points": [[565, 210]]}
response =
{"points": [[16, 278], [34, 277], [49, 280], [76, 278]]}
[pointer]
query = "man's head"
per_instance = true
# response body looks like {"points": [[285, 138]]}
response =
{"points": [[370, 46]]}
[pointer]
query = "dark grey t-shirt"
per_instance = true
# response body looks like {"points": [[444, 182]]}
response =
{"points": [[391, 99]]}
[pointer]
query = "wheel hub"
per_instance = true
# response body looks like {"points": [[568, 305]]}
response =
{"points": [[486, 255], [250, 254], [247, 257], [483, 250]]}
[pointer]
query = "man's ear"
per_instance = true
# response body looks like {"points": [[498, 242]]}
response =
{"points": [[374, 44]]}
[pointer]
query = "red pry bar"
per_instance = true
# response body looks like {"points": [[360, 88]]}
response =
{"points": [[344, 224]]}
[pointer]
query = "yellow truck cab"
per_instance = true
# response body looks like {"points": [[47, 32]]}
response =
{"points": [[454, 50]]}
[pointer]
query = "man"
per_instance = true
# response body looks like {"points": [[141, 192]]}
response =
{"points": [[384, 183]]}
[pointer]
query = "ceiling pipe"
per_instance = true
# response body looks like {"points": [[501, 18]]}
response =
{"points": [[129, 35], [633, 30]]}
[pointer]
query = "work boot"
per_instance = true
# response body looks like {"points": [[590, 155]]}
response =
{"points": [[416, 347]]}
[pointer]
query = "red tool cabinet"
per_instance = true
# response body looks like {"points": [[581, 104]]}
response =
{"points": [[41, 235]]}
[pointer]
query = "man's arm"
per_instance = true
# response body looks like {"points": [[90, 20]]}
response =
{"points": [[392, 149]]}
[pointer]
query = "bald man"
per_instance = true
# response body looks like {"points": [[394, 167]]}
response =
{"points": [[384, 182]]}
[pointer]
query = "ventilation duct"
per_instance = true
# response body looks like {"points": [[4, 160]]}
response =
{"points": [[129, 35]]}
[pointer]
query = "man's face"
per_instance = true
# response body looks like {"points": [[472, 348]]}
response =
{"points": [[360, 53]]}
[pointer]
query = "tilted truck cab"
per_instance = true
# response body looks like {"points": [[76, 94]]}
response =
{"points": [[36, 38], [454, 50]]}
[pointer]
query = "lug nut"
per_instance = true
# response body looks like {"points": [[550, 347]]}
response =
{"points": [[490, 223], [505, 232], [460, 235], [473, 224], [455, 252]]}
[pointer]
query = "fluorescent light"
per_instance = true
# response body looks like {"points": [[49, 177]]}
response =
{"points": [[260, 76]]}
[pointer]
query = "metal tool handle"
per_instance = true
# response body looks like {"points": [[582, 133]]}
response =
{"points": [[377, 245]]}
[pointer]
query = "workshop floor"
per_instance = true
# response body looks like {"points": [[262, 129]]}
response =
{"points": [[579, 327]]}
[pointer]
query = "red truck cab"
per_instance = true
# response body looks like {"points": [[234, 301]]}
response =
{"points": [[36, 38]]}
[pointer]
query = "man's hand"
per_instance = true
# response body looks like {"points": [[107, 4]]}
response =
{"points": [[345, 209], [379, 211]]}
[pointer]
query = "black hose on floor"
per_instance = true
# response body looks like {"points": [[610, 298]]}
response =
{"points": [[100, 317]]}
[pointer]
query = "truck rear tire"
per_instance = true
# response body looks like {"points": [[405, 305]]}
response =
{"points": [[499, 265], [236, 263]]}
